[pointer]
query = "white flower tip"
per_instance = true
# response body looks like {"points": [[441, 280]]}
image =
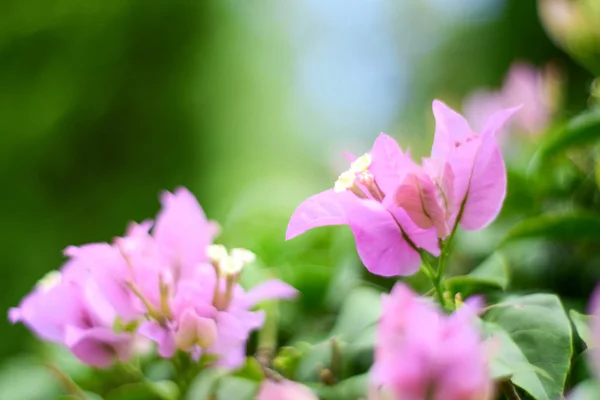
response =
{"points": [[345, 181], [243, 255], [216, 252], [361, 164], [49, 280], [230, 266]]}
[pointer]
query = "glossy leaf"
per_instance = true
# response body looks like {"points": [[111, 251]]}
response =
{"points": [[540, 329], [580, 130], [567, 227], [509, 362], [231, 387], [205, 384], [492, 273], [582, 326]]}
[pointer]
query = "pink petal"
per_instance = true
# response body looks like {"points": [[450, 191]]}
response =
{"points": [[480, 105], [195, 330], [496, 121], [461, 161], [234, 329], [487, 188], [425, 239], [99, 347], [388, 163], [38, 311], [325, 208], [105, 264], [450, 127], [417, 195], [267, 290], [14, 315], [442, 175], [182, 230], [349, 156], [379, 240], [163, 337]]}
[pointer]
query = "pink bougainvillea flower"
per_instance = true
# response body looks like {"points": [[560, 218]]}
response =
{"points": [[387, 240], [182, 231], [190, 291], [168, 284], [423, 354], [284, 390], [535, 89], [69, 308], [466, 168]]}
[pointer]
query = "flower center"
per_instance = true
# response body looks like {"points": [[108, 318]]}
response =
{"points": [[228, 266]]}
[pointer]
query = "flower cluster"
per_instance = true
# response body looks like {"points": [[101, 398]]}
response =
{"points": [[396, 207], [424, 354], [165, 281], [537, 90]]}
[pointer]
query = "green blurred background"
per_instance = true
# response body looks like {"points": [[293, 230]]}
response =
{"points": [[250, 104]]}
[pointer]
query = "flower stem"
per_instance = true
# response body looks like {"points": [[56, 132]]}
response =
{"points": [[432, 274], [70, 386], [509, 390], [267, 336]]}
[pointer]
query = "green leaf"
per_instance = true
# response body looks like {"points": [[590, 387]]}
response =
{"points": [[349, 389], [231, 387], [580, 130], [567, 227], [205, 383], [251, 370], [162, 390], [582, 326], [538, 326], [26, 378], [361, 309], [492, 273], [509, 362]]}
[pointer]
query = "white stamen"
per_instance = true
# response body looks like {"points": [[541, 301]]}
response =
{"points": [[361, 164], [243, 255], [345, 181], [230, 266], [216, 252]]}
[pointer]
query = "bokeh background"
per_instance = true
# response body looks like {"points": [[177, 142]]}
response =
{"points": [[250, 104]]}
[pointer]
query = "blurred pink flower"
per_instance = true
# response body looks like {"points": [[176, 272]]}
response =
{"points": [[594, 352], [192, 295], [69, 308], [284, 390], [423, 354], [362, 198], [166, 285], [535, 89]]}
